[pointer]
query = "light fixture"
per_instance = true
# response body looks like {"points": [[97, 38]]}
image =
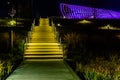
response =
{"points": [[109, 27], [12, 23], [84, 22], [58, 24]]}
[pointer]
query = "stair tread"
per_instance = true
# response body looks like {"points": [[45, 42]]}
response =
{"points": [[44, 59], [43, 47], [57, 49], [41, 41], [44, 52], [56, 55], [52, 37], [43, 44]]}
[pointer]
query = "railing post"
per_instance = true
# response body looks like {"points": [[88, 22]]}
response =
{"points": [[28, 38], [11, 41]]}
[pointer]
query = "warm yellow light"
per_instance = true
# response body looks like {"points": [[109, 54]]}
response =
{"points": [[12, 22], [118, 36], [85, 22], [109, 27], [58, 24], [43, 44]]}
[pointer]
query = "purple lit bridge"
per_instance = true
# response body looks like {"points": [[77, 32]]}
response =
{"points": [[82, 12]]}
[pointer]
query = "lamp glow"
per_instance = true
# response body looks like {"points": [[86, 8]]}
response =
{"points": [[85, 22], [12, 23], [58, 24], [109, 27]]}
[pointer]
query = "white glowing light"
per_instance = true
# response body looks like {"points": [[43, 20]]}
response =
{"points": [[58, 24]]}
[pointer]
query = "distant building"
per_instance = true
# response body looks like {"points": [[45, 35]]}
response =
{"points": [[83, 12]]}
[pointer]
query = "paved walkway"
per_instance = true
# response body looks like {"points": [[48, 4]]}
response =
{"points": [[43, 70]]}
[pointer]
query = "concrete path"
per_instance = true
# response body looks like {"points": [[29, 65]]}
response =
{"points": [[43, 70]]}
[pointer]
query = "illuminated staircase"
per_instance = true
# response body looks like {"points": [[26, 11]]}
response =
{"points": [[43, 46]]}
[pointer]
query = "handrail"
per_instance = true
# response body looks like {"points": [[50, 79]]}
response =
{"points": [[28, 37]]}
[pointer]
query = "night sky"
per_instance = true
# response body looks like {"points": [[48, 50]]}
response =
{"points": [[51, 7], [107, 4]]}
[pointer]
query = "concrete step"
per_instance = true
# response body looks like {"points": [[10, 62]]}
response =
{"points": [[43, 44], [43, 56], [44, 23], [44, 52], [44, 49], [46, 36], [39, 33], [43, 59], [42, 30], [43, 36], [41, 41]]}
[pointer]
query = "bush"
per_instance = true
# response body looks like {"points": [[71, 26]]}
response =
{"points": [[6, 68], [96, 57], [9, 61], [73, 45], [101, 69]]}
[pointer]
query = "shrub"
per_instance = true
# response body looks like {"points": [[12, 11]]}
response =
{"points": [[101, 69], [6, 68], [73, 45]]}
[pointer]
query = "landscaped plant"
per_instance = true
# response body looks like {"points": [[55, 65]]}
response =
{"points": [[101, 69], [94, 62], [1, 69], [6, 68], [9, 61], [73, 45], [18, 44]]}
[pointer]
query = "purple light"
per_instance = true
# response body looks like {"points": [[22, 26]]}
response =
{"points": [[82, 12]]}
